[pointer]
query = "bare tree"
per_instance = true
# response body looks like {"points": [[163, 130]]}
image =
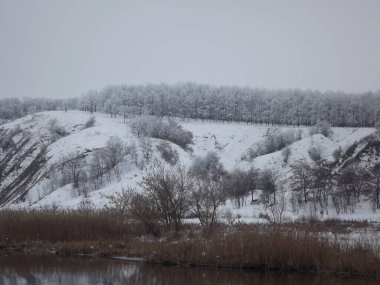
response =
{"points": [[237, 185], [132, 152], [168, 191], [120, 202], [206, 199], [72, 167], [144, 211], [350, 183], [269, 183], [114, 154], [374, 187], [97, 167], [277, 210], [301, 181], [322, 182]]}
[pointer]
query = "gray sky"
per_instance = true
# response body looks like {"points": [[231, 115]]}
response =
{"points": [[63, 48]]}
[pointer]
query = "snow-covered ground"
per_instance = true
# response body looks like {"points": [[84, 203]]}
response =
{"points": [[230, 140]]}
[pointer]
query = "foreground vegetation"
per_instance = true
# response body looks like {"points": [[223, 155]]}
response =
{"points": [[290, 247]]}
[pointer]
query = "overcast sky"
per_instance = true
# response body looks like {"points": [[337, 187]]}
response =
{"points": [[63, 48]]}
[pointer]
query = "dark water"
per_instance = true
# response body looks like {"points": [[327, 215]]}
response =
{"points": [[37, 269]]}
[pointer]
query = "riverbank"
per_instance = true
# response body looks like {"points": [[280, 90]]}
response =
{"points": [[295, 247]]}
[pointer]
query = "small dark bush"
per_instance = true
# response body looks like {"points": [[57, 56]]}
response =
{"points": [[90, 123], [169, 154]]}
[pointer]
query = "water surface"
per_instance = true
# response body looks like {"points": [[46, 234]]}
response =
{"points": [[18, 268]]}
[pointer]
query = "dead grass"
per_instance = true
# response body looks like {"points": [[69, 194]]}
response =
{"points": [[56, 226], [272, 249], [290, 247]]}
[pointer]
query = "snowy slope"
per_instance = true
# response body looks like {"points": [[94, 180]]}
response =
{"points": [[229, 140]]}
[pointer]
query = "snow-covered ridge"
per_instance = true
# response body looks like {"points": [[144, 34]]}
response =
{"points": [[229, 140]]}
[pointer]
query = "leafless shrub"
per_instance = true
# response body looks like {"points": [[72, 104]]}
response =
{"points": [[131, 151], [275, 140], [337, 153], [97, 167], [86, 205], [90, 123], [269, 183], [321, 127], [206, 199], [72, 169], [238, 184], [169, 154], [162, 129], [120, 203], [56, 131], [168, 191], [6, 137], [286, 152], [208, 167], [301, 181], [104, 162], [277, 210], [146, 149], [315, 152], [230, 217], [146, 214]]}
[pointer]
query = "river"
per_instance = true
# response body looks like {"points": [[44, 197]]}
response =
{"points": [[16, 268]]}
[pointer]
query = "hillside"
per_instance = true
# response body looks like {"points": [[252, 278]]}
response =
{"points": [[33, 158]]}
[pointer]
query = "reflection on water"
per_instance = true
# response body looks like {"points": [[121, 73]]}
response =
{"points": [[36, 269]]}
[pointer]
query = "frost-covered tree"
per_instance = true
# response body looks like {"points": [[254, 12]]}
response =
{"points": [[56, 130], [321, 127], [231, 103], [208, 167], [146, 149], [165, 129]]}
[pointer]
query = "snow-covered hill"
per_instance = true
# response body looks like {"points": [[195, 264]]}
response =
{"points": [[30, 162]]}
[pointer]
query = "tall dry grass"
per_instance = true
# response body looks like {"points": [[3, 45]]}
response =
{"points": [[271, 249], [49, 226], [280, 247]]}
